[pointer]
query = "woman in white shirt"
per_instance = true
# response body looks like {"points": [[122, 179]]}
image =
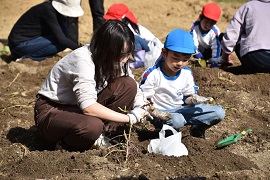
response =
{"points": [[85, 90]]}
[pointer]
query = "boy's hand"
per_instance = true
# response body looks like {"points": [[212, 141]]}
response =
{"points": [[164, 116], [196, 99]]}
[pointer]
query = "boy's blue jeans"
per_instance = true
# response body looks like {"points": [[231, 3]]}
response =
{"points": [[37, 49], [193, 115]]}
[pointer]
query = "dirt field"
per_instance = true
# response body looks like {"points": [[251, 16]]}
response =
{"points": [[25, 155]]}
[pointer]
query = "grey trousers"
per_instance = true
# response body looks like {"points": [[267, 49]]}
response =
{"points": [[75, 130]]}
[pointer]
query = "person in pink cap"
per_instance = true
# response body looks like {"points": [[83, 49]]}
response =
{"points": [[206, 33], [147, 46]]}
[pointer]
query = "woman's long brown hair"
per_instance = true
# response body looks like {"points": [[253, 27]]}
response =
{"points": [[107, 46]]}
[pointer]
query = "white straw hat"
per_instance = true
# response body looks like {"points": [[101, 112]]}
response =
{"points": [[71, 8]]}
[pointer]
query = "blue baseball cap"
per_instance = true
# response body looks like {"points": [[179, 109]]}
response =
{"points": [[181, 41]]}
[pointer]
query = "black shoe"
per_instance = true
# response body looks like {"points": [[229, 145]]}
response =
{"points": [[198, 130]]}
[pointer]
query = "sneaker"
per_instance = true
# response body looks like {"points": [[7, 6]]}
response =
{"points": [[102, 141], [198, 130], [19, 59]]}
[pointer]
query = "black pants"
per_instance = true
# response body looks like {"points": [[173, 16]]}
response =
{"points": [[255, 61], [97, 10]]}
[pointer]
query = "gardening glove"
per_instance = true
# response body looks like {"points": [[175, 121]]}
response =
{"points": [[137, 115], [164, 116], [218, 60], [196, 99]]}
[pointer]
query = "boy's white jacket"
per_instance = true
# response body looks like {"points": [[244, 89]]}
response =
{"points": [[167, 92]]}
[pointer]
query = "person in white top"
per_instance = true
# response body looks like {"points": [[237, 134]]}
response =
{"points": [[147, 46], [85, 90], [206, 33], [170, 86]]}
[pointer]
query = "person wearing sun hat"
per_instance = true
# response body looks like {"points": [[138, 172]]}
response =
{"points": [[71, 8], [206, 33], [170, 86], [147, 46], [45, 29]]}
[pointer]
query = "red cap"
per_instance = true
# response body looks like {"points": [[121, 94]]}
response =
{"points": [[211, 11], [120, 11]]}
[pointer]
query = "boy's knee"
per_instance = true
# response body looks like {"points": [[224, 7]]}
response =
{"points": [[220, 112], [219, 116], [177, 120]]}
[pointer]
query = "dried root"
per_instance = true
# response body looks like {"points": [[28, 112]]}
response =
{"points": [[201, 99], [164, 116]]}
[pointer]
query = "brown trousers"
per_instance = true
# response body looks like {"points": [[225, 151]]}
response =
{"points": [[75, 130]]}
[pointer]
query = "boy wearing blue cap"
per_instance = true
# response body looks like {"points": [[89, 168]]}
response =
{"points": [[169, 84]]}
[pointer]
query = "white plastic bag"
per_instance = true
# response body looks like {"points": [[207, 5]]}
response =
{"points": [[170, 146], [151, 56]]}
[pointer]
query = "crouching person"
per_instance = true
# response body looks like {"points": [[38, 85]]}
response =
{"points": [[86, 89], [170, 84]]}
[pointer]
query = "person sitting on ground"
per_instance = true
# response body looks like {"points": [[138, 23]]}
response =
{"points": [[147, 46], [45, 29], [205, 33], [248, 35], [84, 93], [171, 88]]}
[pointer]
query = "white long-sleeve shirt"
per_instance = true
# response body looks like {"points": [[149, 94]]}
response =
{"points": [[209, 40], [71, 81], [167, 92]]}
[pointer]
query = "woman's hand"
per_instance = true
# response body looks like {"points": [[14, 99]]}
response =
{"points": [[138, 115]]}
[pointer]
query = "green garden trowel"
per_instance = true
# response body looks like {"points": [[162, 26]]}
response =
{"points": [[232, 139]]}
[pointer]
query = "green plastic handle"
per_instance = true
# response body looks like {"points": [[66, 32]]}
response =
{"points": [[232, 139]]}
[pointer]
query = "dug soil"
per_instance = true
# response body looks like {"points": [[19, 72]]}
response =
{"points": [[245, 97]]}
